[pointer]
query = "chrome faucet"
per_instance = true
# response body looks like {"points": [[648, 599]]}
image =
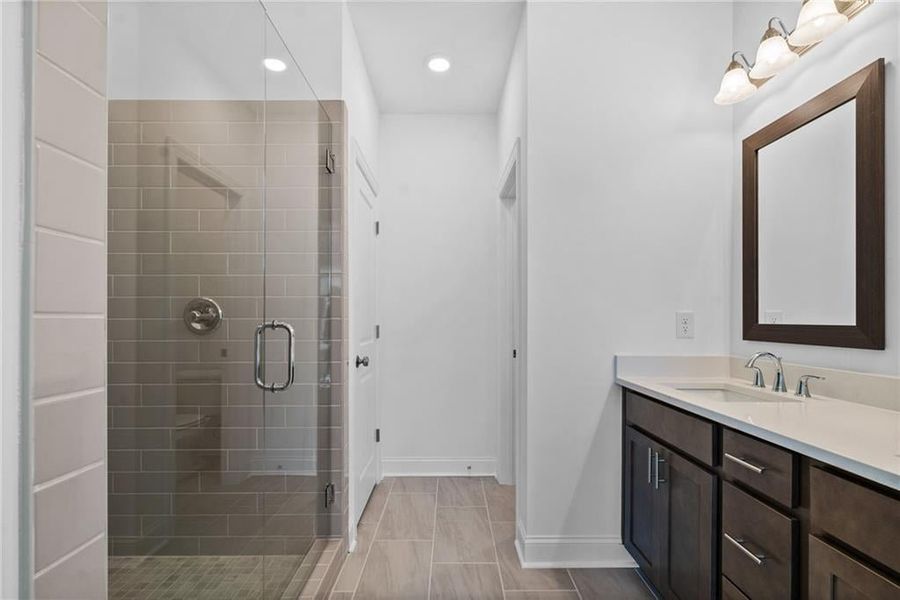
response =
{"points": [[803, 385], [758, 381]]}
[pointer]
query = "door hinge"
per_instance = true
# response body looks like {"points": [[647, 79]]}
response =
{"points": [[378, 332], [377, 435], [377, 227], [329, 495]]}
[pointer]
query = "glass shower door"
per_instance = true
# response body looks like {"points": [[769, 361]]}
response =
{"points": [[296, 376], [216, 255]]}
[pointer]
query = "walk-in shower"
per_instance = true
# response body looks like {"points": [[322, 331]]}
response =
{"points": [[224, 304]]}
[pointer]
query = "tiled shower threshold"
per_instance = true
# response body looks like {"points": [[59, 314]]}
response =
{"points": [[247, 577]]}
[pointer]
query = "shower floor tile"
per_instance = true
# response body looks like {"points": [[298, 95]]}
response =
{"points": [[201, 577]]}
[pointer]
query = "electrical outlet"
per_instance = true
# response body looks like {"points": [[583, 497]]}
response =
{"points": [[684, 325], [774, 317]]}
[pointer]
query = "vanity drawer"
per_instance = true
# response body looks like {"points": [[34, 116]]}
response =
{"points": [[731, 592], [834, 575], [691, 435], [758, 546], [859, 516], [768, 469]]}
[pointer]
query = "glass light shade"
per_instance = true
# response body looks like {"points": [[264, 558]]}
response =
{"points": [[818, 19], [736, 86], [773, 56]]}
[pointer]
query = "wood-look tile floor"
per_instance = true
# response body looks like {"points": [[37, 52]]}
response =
{"points": [[452, 538]]}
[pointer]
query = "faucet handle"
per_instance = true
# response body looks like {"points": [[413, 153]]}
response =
{"points": [[758, 379], [803, 385]]}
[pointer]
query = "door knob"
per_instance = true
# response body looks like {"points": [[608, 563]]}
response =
{"points": [[364, 361]]}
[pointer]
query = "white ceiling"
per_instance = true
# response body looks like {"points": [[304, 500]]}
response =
{"points": [[397, 38]]}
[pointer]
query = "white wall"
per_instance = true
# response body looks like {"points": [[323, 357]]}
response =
{"points": [[511, 128], [214, 50], [872, 35], [629, 177], [312, 31], [363, 114], [437, 293], [512, 110], [12, 154]]}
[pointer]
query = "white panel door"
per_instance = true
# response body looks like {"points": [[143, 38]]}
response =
{"points": [[363, 358]]}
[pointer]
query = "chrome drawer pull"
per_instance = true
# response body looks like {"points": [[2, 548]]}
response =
{"points": [[745, 464], [657, 480], [649, 465], [757, 558]]}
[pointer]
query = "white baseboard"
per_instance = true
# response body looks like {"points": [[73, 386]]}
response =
{"points": [[571, 552], [402, 467]]}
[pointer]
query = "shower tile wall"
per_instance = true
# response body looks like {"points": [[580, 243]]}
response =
{"points": [[197, 464], [68, 239]]}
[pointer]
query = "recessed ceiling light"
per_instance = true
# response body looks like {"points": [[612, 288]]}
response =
{"points": [[438, 64], [274, 64]]}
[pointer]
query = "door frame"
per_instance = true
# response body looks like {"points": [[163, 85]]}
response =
{"points": [[359, 166], [512, 380]]}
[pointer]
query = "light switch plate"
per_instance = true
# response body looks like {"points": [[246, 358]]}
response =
{"points": [[684, 325]]}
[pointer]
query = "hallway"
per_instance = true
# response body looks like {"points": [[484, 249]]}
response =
{"points": [[453, 538]]}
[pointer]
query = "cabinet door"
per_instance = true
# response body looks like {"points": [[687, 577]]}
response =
{"points": [[640, 529], [834, 575], [688, 522]]}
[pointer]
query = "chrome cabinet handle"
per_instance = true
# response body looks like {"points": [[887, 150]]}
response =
{"points": [[745, 464], [257, 356], [739, 543], [649, 465], [657, 479]]}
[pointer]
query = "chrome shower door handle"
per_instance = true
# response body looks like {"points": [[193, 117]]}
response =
{"points": [[257, 356], [289, 380]]}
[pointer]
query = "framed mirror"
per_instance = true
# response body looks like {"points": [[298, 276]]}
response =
{"points": [[813, 220]]}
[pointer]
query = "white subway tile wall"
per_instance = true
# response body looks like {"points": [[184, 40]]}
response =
{"points": [[68, 328], [200, 462]]}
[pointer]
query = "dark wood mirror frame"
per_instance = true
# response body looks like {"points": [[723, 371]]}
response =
{"points": [[867, 88]]}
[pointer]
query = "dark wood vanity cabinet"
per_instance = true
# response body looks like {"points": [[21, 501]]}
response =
{"points": [[709, 512], [688, 526], [834, 575], [641, 503], [670, 518]]}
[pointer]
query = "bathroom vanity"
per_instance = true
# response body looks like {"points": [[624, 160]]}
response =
{"points": [[736, 492]]}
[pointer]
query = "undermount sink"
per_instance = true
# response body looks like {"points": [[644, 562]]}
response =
{"points": [[727, 393]]}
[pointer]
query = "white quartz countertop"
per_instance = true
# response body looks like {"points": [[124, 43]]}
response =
{"points": [[858, 438]]}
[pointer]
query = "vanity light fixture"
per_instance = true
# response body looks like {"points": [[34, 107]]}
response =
{"points": [[274, 64], [817, 20], [736, 85], [439, 64], [780, 49], [773, 55]]}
